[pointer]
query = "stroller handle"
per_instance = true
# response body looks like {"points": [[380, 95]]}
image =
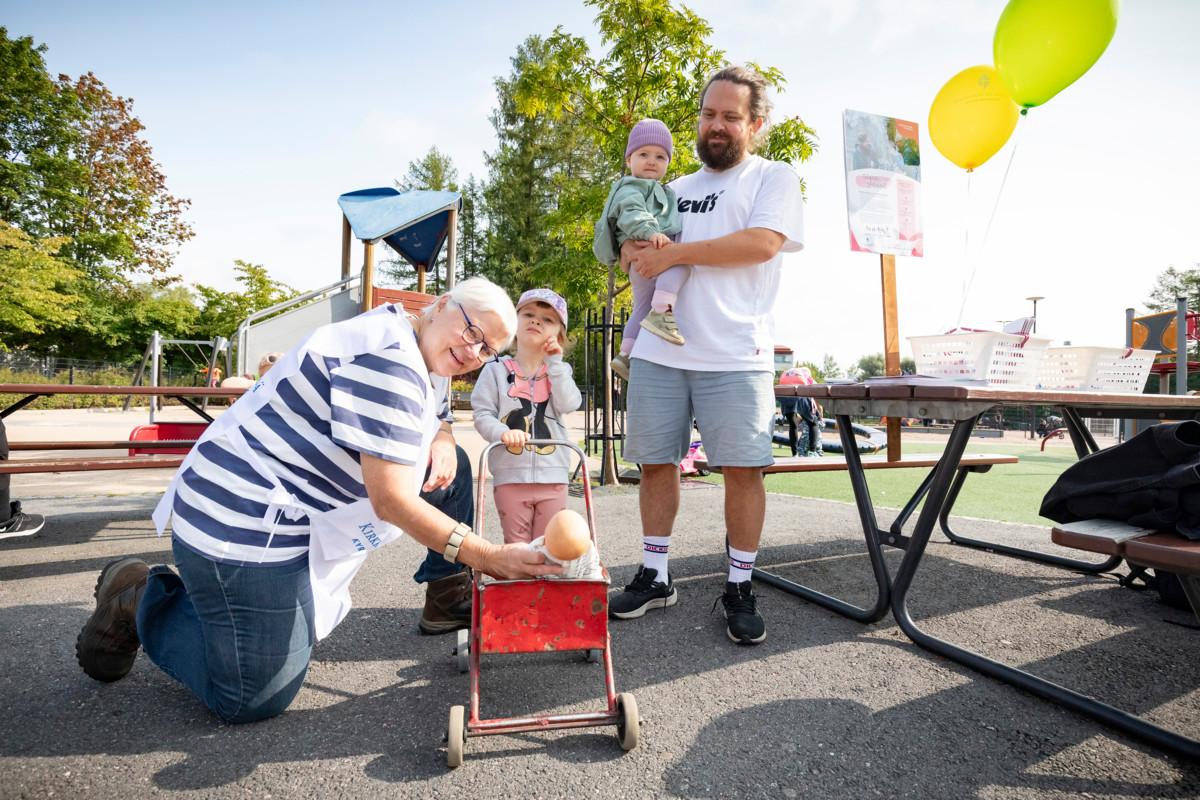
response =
{"points": [[481, 482]]}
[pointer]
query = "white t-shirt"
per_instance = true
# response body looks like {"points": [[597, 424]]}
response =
{"points": [[724, 313]]}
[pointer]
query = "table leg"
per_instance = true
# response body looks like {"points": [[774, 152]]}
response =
{"points": [[1102, 712], [1107, 565], [1081, 437], [871, 532], [19, 404], [192, 406]]}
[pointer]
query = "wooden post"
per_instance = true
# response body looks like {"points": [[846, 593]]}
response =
{"points": [[891, 344], [421, 278], [368, 274], [347, 237], [452, 249]]}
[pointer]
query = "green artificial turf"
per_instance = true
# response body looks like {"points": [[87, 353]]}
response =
{"points": [[1008, 492]]}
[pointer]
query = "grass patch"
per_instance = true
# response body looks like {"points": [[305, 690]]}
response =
{"points": [[1009, 492]]}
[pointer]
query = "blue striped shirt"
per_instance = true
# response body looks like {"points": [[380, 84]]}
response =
{"points": [[309, 434]]}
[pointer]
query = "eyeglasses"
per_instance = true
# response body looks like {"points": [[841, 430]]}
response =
{"points": [[473, 334]]}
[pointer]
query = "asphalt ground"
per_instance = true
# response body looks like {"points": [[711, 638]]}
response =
{"points": [[825, 708]]}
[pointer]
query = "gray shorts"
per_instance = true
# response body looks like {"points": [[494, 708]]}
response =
{"points": [[734, 412]]}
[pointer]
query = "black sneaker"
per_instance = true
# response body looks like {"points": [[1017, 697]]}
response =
{"points": [[20, 523], [642, 594], [743, 624]]}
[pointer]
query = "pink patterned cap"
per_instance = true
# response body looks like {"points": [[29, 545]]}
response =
{"points": [[547, 296]]}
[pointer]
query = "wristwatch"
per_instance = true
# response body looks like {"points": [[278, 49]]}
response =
{"points": [[461, 531]]}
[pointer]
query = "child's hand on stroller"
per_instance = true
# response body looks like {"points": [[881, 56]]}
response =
{"points": [[517, 561], [514, 440]]}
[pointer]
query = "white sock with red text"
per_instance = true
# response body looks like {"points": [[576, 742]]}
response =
{"points": [[741, 564], [654, 555]]}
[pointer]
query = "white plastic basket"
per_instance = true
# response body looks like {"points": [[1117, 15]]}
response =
{"points": [[999, 359], [1096, 369]]}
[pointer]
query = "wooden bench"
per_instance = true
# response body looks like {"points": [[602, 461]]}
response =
{"points": [[1141, 547], [139, 444], [29, 466]]}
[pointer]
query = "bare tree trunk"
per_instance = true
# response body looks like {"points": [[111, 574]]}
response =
{"points": [[608, 461]]}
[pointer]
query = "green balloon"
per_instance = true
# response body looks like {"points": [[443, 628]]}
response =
{"points": [[1043, 46]]}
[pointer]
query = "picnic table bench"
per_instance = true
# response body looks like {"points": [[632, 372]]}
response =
{"points": [[1141, 547], [146, 450]]}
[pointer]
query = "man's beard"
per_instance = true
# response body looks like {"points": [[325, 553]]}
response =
{"points": [[723, 157]]}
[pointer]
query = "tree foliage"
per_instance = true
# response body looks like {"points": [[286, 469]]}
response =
{"points": [[39, 287], [221, 312], [1173, 283], [79, 183]]}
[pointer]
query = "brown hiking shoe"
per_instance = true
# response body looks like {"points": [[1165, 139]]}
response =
{"points": [[662, 324], [447, 604], [108, 643]]}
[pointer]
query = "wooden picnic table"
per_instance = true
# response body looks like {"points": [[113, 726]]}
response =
{"points": [[165, 453], [965, 404]]}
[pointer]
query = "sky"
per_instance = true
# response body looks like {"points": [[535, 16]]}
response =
{"points": [[263, 113]]}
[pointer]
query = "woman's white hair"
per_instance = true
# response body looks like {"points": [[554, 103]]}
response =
{"points": [[481, 295]]}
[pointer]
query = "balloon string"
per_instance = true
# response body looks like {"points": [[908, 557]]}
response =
{"points": [[999, 192], [966, 286], [988, 230]]}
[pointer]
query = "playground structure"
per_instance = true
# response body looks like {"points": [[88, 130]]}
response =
{"points": [[416, 224], [1167, 333]]}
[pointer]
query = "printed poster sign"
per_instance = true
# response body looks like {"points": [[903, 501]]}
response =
{"points": [[883, 184]]}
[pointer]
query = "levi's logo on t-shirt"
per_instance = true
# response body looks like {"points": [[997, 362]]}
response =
{"points": [[699, 206]]}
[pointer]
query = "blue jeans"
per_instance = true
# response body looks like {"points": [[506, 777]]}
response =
{"points": [[241, 637], [456, 501]]}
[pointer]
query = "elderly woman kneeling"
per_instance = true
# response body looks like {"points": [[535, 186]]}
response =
{"points": [[282, 498]]}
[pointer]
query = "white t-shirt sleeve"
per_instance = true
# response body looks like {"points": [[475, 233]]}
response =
{"points": [[779, 205]]}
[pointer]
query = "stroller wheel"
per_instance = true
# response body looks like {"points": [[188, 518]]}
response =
{"points": [[628, 726], [456, 736]]}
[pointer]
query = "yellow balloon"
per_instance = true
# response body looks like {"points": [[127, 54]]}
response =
{"points": [[972, 117]]}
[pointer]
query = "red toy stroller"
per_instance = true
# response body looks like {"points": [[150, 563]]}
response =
{"points": [[537, 616]]}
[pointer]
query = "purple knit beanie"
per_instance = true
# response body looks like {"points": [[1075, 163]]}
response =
{"points": [[649, 131]]}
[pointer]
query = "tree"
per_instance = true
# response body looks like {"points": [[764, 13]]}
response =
{"points": [[122, 220], [519, 191], [436, 172], [222, 312], [75, 170], [38, 126], [39, 287], [653, 61], [830, 368], [471, 234], [1173, 283], [872, 366], [868, 367]]}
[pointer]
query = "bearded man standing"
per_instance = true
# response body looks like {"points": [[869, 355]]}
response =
{"points": [[739, 213]]}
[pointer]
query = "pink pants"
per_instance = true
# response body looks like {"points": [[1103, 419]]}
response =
{"points": [[525, 508]]}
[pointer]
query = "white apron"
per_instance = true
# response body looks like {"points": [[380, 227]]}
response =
{"points": [[341, 538]]}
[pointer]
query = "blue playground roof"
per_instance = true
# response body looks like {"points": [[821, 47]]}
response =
{"points": [[414, 223]]}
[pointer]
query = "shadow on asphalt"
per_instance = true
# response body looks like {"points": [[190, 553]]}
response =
{"points": [[825, 747]]}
